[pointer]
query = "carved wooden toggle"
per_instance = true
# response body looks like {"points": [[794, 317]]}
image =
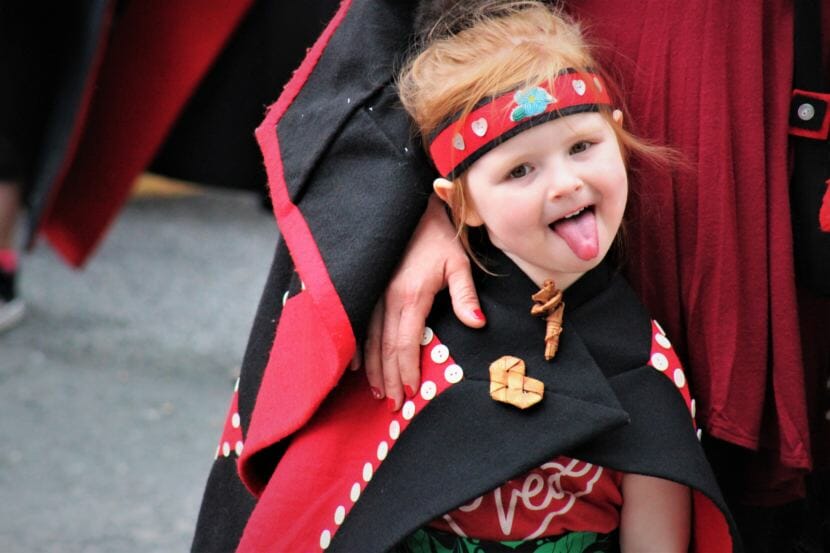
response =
{"points": [[509, 384], [549, 302]]}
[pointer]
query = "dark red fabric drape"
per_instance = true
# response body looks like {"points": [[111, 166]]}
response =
{"points": [[713, 80]]}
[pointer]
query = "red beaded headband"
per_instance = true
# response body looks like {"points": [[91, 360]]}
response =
{"points": [[458, 143]]}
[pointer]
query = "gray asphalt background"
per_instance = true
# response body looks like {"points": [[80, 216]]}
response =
{"points": [[113, 391]]}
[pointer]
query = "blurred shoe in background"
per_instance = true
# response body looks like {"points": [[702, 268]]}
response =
{"points": [[12, 308]]}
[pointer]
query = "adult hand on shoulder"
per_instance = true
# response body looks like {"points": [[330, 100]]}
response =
{"points": [[433, 259]]}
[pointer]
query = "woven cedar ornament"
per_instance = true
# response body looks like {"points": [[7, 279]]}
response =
{"points": [[509, 384], [549, 302]]}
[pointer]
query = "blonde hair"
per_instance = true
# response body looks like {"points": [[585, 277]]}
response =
{"points": [[495, 48]]}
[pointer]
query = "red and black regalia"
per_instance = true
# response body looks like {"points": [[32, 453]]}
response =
{"points": [[357, 477], [308, 460], [709, 248]]}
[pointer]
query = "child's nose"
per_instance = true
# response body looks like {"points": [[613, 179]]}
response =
{"points": [[564, 186]]}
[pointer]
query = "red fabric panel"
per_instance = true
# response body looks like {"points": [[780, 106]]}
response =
{"points": [[314, 326], [302, 369], [711, 247], [664, 358], [710, 532], [329, 463], [231, 439], [824, 212], [158, 53]]}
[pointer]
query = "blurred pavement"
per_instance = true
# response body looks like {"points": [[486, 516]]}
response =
{"points": [[113, 391]]}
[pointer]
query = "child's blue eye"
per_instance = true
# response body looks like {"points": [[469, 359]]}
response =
{"points": [[520, 171], [580, 147]]}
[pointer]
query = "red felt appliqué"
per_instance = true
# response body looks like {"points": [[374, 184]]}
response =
{"points": [[231, 441], [665, 360], [329, 464], [824, 213]]}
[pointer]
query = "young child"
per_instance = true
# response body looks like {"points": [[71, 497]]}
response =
{"points": [[564, 424]]}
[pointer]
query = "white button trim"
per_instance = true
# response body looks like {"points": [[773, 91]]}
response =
{"points": [[660, 362], [453, 374], [408, 410], [428, 390], [439, 354], [679, 378], [662, 340], [325, 539], [383, 450], [806, 111]]}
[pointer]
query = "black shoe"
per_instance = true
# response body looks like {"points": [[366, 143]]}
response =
{"points": [[12, 308]]}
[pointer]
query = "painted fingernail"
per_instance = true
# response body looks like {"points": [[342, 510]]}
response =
{"points": [[391, 404], [478, 314], [375, 392], [410, 393]]}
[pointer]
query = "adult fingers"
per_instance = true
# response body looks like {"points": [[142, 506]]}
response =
{"points": [[463, 292], [410, 331], [392, 386], [372, 351]]}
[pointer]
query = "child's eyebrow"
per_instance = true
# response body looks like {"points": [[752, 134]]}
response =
{"points": [[586, 126], [580, 126]]}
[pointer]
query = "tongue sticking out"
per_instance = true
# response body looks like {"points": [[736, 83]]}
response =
{"points": [[580, 234]]}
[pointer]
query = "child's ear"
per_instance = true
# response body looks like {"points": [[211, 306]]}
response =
{"points": [[445, 190], [618, 116]]}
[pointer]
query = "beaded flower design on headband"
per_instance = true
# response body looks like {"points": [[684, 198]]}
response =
{"points": [[458, 143]]}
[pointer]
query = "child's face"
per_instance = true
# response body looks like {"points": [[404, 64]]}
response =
{"points": [[552, 198]]}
